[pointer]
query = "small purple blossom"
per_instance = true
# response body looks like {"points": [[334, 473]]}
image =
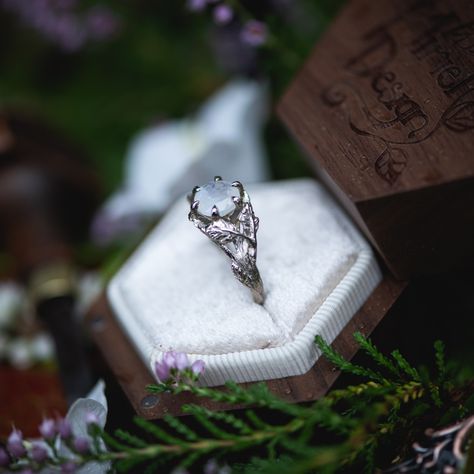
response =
{"points": [[64, 22], [175, 366], [63, 427], [68, 467], [175, 360], [223, 14], [38, 453], [92, 418], [81, 444], [196, 5], [162, 371], [169, 358], [198, 367], [15, 444], [182, 361], [47, 428], [254, 33], [4, 457], [101, 23]]}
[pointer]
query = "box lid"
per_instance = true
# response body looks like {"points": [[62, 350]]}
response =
{"points": [[384, 107]]}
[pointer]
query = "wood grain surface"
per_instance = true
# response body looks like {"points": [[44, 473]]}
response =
{"points": [[384, 108]]}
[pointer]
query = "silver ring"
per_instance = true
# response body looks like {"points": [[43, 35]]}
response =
{"points": [[222, 211]]}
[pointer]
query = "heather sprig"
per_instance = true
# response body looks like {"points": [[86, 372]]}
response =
{"points": [[57, 448], [66, 23], [175, 369], [253, 32], [360, 418]]}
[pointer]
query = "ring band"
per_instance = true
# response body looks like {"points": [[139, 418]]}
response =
{"points": [[223, 212]]}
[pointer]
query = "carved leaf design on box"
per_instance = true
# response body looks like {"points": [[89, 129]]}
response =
{"points": [[390, 164], [461, 117]]}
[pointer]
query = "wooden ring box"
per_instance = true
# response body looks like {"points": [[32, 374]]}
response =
{"points": [[388, 124]]}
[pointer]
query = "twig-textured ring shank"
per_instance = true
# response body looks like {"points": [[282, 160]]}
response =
{"points": [[223, 212]]}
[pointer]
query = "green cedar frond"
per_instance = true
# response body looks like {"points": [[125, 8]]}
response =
{"points": [[342, 364], [255, 420], [440, 358], [114, 444], [360, 417], [226, 417], [157, 432], [181, 428], [153, 467], [405, 366], [202, 415], [132, 440], [190, 459], [369, 347], [435, 395], [126, 465], [368, 454]]}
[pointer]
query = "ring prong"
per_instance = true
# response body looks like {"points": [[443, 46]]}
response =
{"points": [[215, 212], [194, 205], [196, 189], [217, 178], [240, 187]]}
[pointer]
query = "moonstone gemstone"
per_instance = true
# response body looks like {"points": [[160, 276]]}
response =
{"points": [[219, 194]]}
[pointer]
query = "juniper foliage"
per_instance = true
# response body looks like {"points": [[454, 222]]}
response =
{"points": [[349, 427]]}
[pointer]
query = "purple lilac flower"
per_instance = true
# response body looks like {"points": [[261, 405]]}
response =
{"points": [[223, 14], [47, 428], [38, 453], [254, 33], [15, 444], [81, 444], [198, 367], [63, 427], [4, 457]]}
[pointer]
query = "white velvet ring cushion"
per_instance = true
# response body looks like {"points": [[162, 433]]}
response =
{"points": [[177, 291]]}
